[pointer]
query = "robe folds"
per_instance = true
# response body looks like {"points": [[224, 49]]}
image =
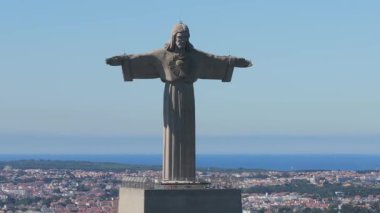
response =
{"points": [[178, 72]]}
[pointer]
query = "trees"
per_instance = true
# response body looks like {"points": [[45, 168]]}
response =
{"points": [[346, 208], [312, 210], [83, 188], [304, 187], [285, 209]]}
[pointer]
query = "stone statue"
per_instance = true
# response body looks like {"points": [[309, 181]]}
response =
{"points": [[178, 65]]}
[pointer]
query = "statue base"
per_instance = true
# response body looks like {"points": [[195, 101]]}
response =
{"points": [[183, 200]]}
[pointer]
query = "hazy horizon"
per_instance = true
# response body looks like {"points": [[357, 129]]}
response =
{"points": [[232, 144]]}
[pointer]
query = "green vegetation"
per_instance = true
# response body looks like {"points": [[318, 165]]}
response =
{"points": [[82, 165], [304, 187], [229, 170], [83, 188]]}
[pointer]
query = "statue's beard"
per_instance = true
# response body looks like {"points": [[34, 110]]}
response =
{"points": [[181, 46]]}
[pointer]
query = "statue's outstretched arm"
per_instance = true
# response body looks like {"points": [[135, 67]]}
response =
{"points": [[138, 66], [115, 61], [231, 60], [241, 62]]}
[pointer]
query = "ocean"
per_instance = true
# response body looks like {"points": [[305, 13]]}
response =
{"points": [[286, 162]]}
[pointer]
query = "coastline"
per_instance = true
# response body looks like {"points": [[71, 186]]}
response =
{"points": [[281, 162]]}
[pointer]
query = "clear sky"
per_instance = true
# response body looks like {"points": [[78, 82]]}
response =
{"points": [[314, 86]]}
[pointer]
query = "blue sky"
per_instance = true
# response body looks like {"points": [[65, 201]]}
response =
{"points": [[315, 76]]}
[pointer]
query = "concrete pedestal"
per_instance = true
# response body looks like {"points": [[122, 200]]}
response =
{"points": [[134, 200]]}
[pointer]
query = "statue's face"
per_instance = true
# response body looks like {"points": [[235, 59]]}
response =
{"points": [[181, 40]]}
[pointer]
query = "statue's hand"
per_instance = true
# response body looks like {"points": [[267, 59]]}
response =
{"points": [[115, 61], [242, 62]]}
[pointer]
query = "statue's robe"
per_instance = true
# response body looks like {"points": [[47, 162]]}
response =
{"points": [[179, 72]]}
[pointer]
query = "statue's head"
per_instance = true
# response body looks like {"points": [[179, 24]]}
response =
{"points": [[180, 38]]}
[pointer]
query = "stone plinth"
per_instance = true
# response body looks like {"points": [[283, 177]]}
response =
{"points": [[134, 200]]}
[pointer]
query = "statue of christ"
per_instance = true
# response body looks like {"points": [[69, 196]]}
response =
{"points": [[178, 65]]}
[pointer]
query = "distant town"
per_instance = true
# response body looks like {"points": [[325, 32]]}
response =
{"points": [[60, 186]]}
